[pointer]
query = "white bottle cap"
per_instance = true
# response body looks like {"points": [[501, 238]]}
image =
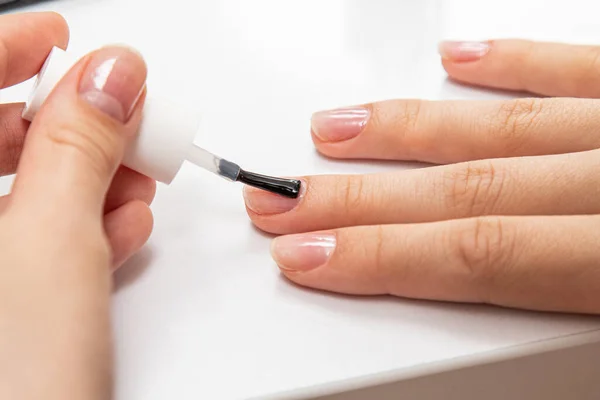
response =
{"points": [[165, 135]]}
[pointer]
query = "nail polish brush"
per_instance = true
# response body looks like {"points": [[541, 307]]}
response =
{"points": [[165, 138]]}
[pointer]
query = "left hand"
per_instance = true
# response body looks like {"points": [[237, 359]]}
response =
{"points": [[513, 221]]}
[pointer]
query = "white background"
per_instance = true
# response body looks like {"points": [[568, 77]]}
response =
{"points": [[202, 312]]}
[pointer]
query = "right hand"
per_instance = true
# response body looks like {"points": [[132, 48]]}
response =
{"points": [[26, 41], [69, 218]]}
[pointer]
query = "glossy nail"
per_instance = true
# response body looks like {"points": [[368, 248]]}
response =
{"points": [[265, 203], [304, 252], [341, 124], [113, 81], [463, 51]]}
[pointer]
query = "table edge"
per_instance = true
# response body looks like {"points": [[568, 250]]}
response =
{"points": [[436, 367]]}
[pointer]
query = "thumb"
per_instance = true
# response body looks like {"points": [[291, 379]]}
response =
{"points": [[78, 138]]}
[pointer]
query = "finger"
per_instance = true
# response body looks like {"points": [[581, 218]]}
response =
{"points": [[550, 185], [127, 222], [550, 69], [25, 41], [542, 263], [455, 131], [78, 137], [128, 185], [12, 135], [128, 228]]}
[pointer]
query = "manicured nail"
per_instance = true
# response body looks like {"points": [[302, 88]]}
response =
{"points": [[265, 203], [113, 81], [463, 51], [341, 124], [304, 252]]}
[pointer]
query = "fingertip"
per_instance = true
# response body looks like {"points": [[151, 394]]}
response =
{"points": [[60, 28], [255, 218], [447, 65], [81, 131], [146, 219], [317, 142], [336, 150], [53, 25], [273, 251], [128, 185], [148, 189], [128, 228], [143, 217], [266, 223], [463, 73]]}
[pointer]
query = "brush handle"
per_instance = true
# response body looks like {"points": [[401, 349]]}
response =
{"points": [[284, 187]]}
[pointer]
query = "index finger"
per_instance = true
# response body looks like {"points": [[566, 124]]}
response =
{"points": [[25, 42]]}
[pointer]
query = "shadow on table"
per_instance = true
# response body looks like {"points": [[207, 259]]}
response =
{"points": [[453, 89], [457, 317]]}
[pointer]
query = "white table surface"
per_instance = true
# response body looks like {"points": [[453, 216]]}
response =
{"points": [[202, 312]]}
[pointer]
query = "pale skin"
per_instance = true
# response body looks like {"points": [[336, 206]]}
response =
{"points": [[72, 216], [509, 218]]}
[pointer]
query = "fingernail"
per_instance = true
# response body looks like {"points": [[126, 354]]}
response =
{"points": [[463, 51], [341, 124], [265, 203], [113, 81], [304, 252]]}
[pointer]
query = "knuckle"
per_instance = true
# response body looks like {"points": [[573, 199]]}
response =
{"points": [[482, 249], [406, 118], [386, 273], [92, 141], [473, 188], [517, 119], [352, 191]]}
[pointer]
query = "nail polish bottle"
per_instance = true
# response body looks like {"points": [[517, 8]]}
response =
{"points": [[165, 137]]}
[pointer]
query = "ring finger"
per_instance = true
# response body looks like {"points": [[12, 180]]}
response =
{"points": [[543, 263]]}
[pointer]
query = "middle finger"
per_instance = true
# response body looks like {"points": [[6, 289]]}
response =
{"points": [[549, 185]]}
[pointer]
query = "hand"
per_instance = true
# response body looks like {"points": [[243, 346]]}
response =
{"points": [[512, 221], [69, 218]]}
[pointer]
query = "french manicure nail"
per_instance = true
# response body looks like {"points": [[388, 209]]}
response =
{"points": [[340, 124], [463, 51], [113, 81], [304, 252], [265, 203]]}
